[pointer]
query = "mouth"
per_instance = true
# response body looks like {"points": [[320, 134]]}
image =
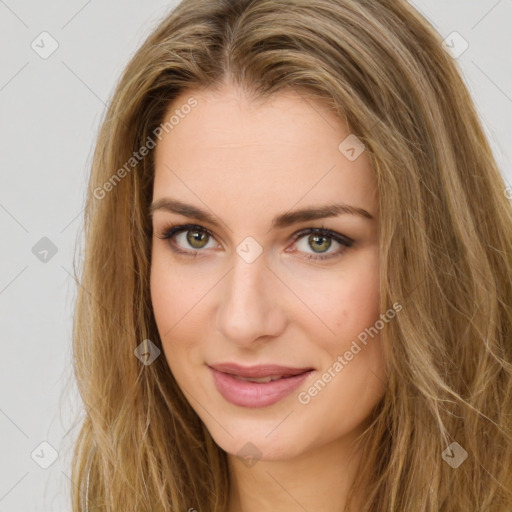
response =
{"points": [[262, 371], [257, 386], [270, 378]]}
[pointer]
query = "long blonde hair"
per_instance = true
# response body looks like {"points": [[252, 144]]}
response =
{"points": [[445, 251]]}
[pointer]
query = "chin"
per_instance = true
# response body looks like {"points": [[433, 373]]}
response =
{"points": [[259, 438]]}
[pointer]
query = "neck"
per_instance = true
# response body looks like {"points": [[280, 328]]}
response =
{"points": [[318, 479]]}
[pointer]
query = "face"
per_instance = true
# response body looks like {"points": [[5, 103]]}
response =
{"points": [[265, 267]]}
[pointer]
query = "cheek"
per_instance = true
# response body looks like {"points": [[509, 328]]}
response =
{"points": [[163, 295], [347, 302], [353, 361], [359, 304], [176, 295], [170, 297], [179, 296]]}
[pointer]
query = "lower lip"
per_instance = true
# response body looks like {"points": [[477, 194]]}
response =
{"points": [[256, 394]]}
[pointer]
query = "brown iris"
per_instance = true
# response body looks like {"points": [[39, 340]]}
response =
{"points": [[196, 238]]}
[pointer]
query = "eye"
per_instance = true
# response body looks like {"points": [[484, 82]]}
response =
{"points": [[188, 239], [320, 240]]}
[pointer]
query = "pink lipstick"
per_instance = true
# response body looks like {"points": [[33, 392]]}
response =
{"points": [[256, 386]]}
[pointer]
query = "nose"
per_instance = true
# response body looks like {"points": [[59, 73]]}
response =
{"points": [[249, 309]]}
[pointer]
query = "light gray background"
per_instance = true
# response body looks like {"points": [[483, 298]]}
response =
{"points": [[50, 113]]}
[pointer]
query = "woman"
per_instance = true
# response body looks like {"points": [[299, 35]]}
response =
{"points": [[296, 288]]}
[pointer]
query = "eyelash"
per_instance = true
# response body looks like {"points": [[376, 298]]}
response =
{"points": [[170, 231]]}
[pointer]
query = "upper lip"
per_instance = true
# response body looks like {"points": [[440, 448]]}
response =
{"points": [[264, 370]]}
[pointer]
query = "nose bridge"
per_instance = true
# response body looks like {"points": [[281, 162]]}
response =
{"points": [[247, 308], [246, 278], [247, 287]]}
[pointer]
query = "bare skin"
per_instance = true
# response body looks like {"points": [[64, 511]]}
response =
{"points": [[245, 163]]}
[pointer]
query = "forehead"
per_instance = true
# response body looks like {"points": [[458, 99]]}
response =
{"points": [[235, 152]]}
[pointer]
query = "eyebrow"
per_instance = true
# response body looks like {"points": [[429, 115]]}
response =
{"points": [[280, 221]]}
